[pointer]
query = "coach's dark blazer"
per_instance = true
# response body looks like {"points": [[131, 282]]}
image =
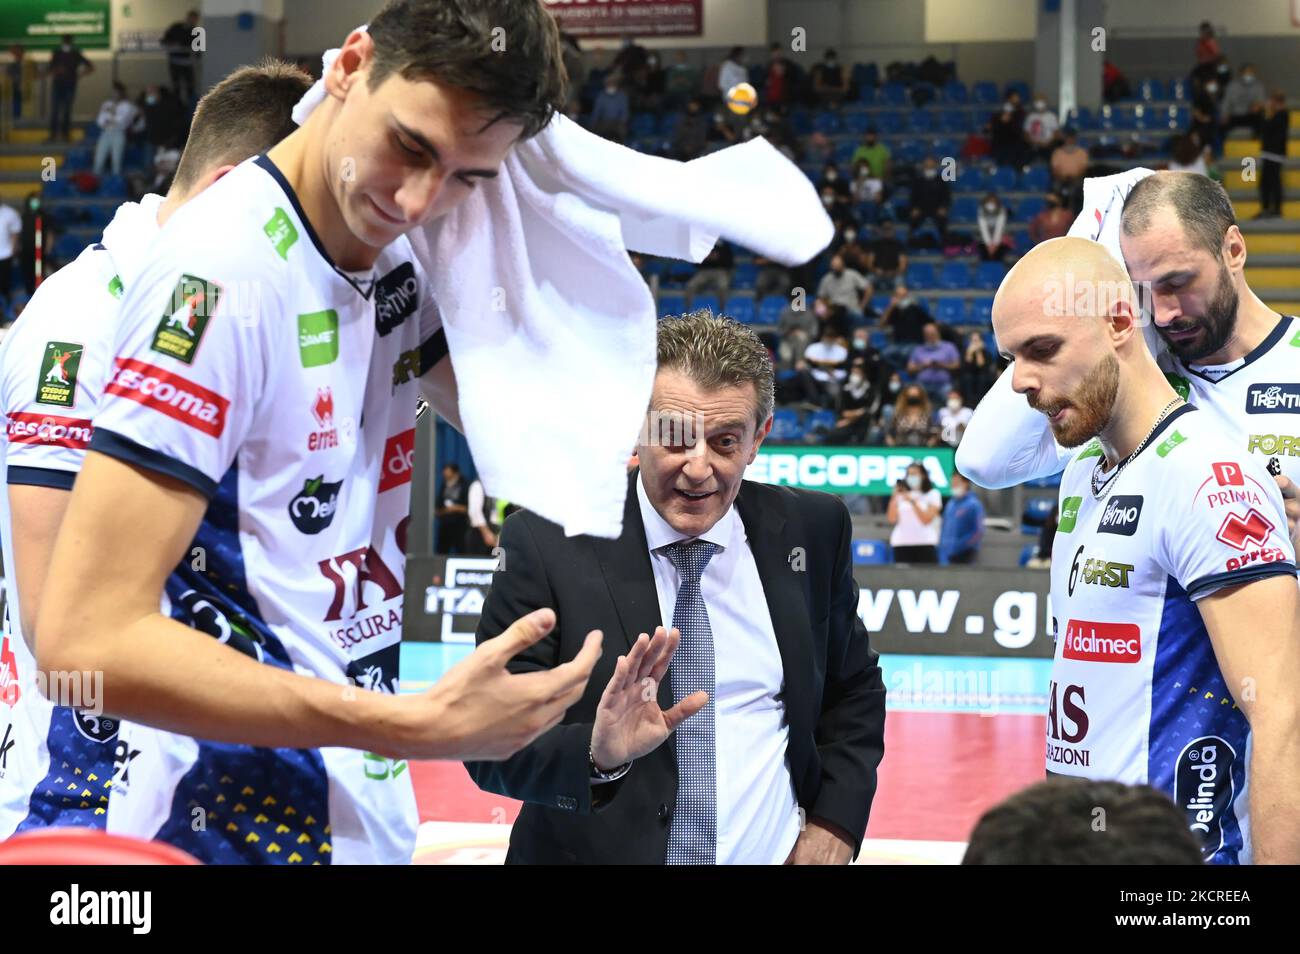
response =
{"points": [[834, 694]]}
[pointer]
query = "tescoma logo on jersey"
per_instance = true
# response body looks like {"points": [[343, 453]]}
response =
{"points": [[318, 338]]}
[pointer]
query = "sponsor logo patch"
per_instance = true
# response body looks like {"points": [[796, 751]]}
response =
{"points": [[312, 510], [280, 230], [1203, 788], [399, 458], [10, 691], [49, 430], [318, 338], [397, 295], [170, 394], [180, 330], [1240, 532], [1180, 384], [101, 729], [1284, 444], [1228, 475], [322, 409], [1121, 515], [1069, 514], [115, 286], [1273, 399], [1090, 641], [57, 384], [1092, 450], [1169, 443], [406, 367]]}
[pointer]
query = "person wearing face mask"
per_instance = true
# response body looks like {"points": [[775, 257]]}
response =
{"points": [[859, 400], [610, 114], [653, 86], [1008, 128], [1053, 221], [931, 199], [963, 524], [732, 71], [830, 80], [844, 286], [67, 65], [1041, 128], [911, 423], [164, 122], [832, 180], [953, 418], [853, 252], [1204, 127], [1243, 102], [914, 510], [682, 83], [992, 222], [116, 116], [874, 153], [865, 187], [906, 318]]}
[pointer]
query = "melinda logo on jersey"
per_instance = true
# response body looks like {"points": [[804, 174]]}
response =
{"points": [[1121, 515], [1273, 399], [312, 510], [1089, 641], [1204, 788], [47, 429]]}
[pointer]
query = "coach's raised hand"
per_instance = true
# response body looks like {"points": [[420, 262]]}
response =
{"points": [[480, 711]]}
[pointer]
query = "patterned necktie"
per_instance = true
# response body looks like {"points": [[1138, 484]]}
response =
{"points": [[693, 835]]}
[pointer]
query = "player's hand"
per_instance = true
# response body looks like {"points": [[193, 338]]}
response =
{"points": [[1291, 500], [629, 722], [479, 710]]}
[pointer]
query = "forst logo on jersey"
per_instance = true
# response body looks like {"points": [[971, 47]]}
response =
{"points": [[49, 430], [1121, 515], [193, 302], [1098, 572], [1090, 641], [399, 459], [322, 409], [1273, 399], [57, 384], [1204, 789], [312, 510], [1287, 445], [397, 295]]}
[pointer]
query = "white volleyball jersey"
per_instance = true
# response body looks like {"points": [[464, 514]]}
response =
{"points": [[284, 389], [1136, 693]]}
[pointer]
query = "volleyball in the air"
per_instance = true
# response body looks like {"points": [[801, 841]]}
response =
{"points": [[741, 98]]}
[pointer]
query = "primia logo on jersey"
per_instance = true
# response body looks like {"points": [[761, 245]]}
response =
{"points": [[51, 431], [1121, 515], [1090, 641], [397, 295], [312, 510], [399, 459], [57, 383], [170, 394], [322, 409], [1273, 399], [1204, 789]]}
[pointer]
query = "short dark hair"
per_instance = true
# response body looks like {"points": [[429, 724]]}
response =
{"points": [[506, 52], [1056, 823], [1201, 205], [245, 114]]}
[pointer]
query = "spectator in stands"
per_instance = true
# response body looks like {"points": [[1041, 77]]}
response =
{"points": [[1053, 221], [774, 127], [653, 87], [1042, 558], [838, 205], [952, 418], [825, 368], [856, 255], [963, 524], [933, 362], [452, 511], [1114, 84], [978, 144], [886, 259], [691, 136], [914, 510], [911, 422], [481, 535], [931, 199], [906, 317], [1054, 823], [776, 88], [732, 71], [1243, 102], [1042, 128], [682, 83], [830, 81], [832, 179], [15, 69], [609, 116], [178, 41], [67, 66], [796, 329], [1008, 132], [875, 154], [116, 117], [11, 233], [977, 371], [164, 121], [1188, 155], [857, 407], [713, 276], [995, 242], [865, 187], [630, 63], [844, 286], [575, 67], [1207, 53], [773, 278], [1274, 130], [1069, 165]]}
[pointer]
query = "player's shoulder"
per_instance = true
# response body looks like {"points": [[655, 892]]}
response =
{"points": [[1195, 456]]}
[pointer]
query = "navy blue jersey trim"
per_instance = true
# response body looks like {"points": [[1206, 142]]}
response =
{"points": [[41, 477], [273, 171], [433, 350], [123, 448], [1217, 581], [1279, 331]]}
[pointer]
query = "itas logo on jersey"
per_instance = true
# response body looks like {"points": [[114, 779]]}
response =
{"points": [[312, 510], [57, 384], [399, 459], [1121, 515], [49, 430], [1089, 641], [1204, 789], [1273, 399], [362, 578], [1067, 725], [397, 295], [326, 435], [1286, 445], [179, 398], [193, 302], [10, 691]]}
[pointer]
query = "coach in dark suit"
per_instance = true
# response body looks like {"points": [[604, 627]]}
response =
{"points": [[773, 709]]}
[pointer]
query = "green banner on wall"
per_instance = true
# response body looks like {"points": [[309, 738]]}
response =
{"points": [[849, 470], [41, 24]]}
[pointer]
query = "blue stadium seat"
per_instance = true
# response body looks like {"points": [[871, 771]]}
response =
{"points": [[827, 123], [920, 121], [1001, 179], [785, 425], [1151, 89], [653, 266], [871, 552], [744, 276], [668, 124], [947, 146], [879, 339], [857, 123], [893, 94], [741, 307], [1037, 510], [113, 187], [844, 152], [1026, 209], [954, 121], [671, 305], [985, 93], [68, 247], [867, 93], [1027, 553], [889, 121], [920, 275], [711, 302], [981, 313], [1018, 86], [1082, 119], [1037, 178], [801, 121], [970, 178], [1046, 483], [57, 189], [879, 303], [643, 124], [964, 208], [954, 91], [954, 276], [912, 151], [770, 308], [823, 417], [951, 311], [988, 275], [1178, 90]]}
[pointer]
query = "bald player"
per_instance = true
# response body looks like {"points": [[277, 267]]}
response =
{"points": [[1173, 577]]}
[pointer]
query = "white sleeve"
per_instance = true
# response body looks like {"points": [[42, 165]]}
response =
{"points": [[475, 504], [1007, 442]]}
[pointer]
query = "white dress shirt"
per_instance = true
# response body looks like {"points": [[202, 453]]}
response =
{"points": [[758, 815]]}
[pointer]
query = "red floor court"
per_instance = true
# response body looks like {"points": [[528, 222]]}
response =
{"points": [[941, 771]]}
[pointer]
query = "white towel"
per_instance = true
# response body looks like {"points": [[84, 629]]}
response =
{"points": [[1103, 202], [550, 327]]}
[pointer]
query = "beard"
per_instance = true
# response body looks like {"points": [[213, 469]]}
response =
{"points": [[1092, 404], [1216, 325]]}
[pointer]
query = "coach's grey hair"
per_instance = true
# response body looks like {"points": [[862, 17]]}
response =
{"points": [[715, 351]]}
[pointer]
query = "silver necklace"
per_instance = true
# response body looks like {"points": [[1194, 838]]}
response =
{"points": [[1099, 487]]}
